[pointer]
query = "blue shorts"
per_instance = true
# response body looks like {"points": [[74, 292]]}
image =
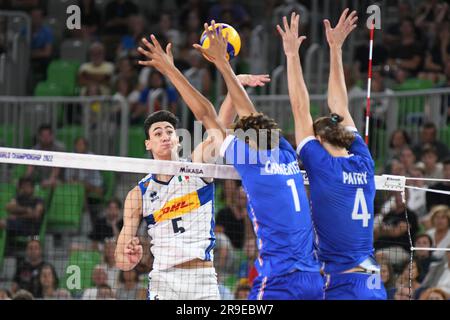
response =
{"points": [[296, 285], [354, 286]]}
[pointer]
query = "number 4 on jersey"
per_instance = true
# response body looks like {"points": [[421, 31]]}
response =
{"points": [[360, 201]]}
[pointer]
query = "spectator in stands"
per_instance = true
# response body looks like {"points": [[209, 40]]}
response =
{"points": [[445, 102], [129, 286], [401, 293], [434, 199], [198, 76], [379, 54], [391, 235], [91, 179], [124, 90], [97, 71], [91, 19], [190, 9], [423, 257], [235, 13], [432, 168], [110, 224], [28, 270], [434, 294], [439, 275], [392, 35], [431, 12], [100, 279], [230, 220], [224, 256], [436, 57], [137, 29], [126, 70], [156, 81], [41, 45], [429, 138], [167, 31], [110, 262], [105, 292], [25, 211], [388, 278], [242, 290], [440, 232], [117, 13], [247, 268], [5, 294], [408, 159], [48, 285], [47, 177], [399, 139], [416, 199], [380, 107], [23, 295], [406, 55], [406, 275]]}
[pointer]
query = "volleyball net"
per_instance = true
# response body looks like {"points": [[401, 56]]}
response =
{"points": [[61, 215]]}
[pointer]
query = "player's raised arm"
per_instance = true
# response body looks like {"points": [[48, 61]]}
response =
{"points": [[204, 152], [217, 54], [163, 61], [128, 250], [337, 91], [298, 93], [227, 112]]}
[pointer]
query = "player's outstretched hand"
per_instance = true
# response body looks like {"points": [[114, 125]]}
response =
{"points": [[134, 251], [217, 51], [157, 57], [291, 40], [337, 35], [253, 80]]}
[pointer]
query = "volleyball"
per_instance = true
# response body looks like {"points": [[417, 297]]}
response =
{"points": [[234, 40]]}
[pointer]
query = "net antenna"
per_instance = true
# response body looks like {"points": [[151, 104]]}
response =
{"points": [[369, 81]]}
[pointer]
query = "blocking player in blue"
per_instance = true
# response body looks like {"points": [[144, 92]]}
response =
{"points": [[277, 204], [340, 171]]}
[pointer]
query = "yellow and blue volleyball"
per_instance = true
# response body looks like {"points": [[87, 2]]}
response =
{"points": [[234, 40]]}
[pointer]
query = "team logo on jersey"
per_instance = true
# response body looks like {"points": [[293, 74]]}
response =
{"points": [[153, 196]]}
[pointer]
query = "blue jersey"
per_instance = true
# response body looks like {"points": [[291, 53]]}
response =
{"points": [[277, 206], [342, 197]]}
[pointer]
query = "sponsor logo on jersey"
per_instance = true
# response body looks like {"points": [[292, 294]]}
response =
{"points": [[178, 207]]}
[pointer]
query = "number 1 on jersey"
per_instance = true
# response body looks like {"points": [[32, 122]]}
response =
{"points": [[291, 183], [361, 200]]}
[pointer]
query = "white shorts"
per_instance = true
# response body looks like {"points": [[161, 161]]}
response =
{"points": [[183, 284]]}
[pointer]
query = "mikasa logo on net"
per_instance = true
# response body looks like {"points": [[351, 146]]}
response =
{"points": [[191, 170]]}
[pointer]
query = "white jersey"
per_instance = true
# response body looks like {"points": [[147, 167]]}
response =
{"points": [[180, 219]]}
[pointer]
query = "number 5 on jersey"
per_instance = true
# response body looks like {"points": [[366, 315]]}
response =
{"points": [[360, 201], [176, 227]]}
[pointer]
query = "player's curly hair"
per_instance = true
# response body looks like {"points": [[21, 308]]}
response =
{"points": [[331, 131], [159, 116], [262, 124]]}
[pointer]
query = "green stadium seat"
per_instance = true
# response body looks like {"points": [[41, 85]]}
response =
{"points": [[86, 261], [109, 184], [68, 134], [7, 136], [49, 89], [136, 139], [66, 207], [7, 191], [444, 135], [64, 72], [411, 108]]}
